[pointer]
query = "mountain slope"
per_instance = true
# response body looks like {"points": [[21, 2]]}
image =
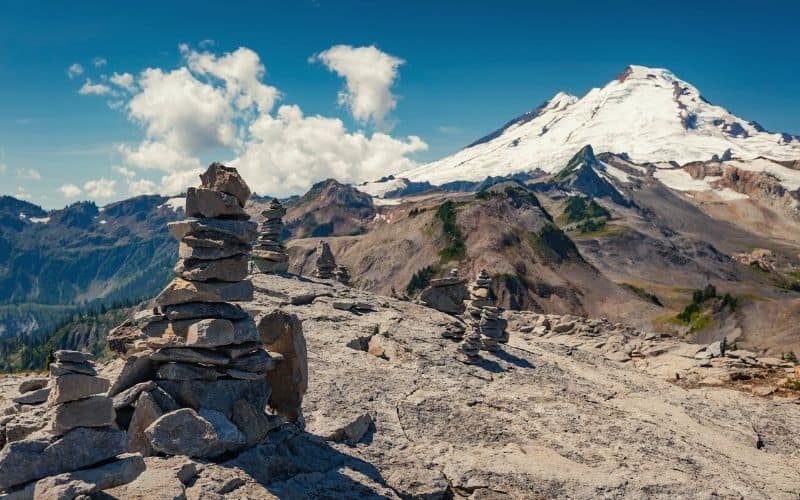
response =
{"points": [[647, 113]]}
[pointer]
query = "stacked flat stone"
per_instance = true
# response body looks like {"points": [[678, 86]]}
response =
{"points": [[269, 255], [326, 263], [479, 297], [194, 383], [80, 433], [342, 275]]}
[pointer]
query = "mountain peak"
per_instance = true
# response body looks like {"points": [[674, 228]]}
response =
{"points": [[647, 113]]}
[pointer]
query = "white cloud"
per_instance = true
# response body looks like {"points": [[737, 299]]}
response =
{"points": [[74, 70], [124, 80], [70, 190], [124, 172], [100, 188], [90, 88], [142, 186], [207, 43], [29, 173], [21, 194], [218, 106], [99, 62], [290, 152], [369, 75]]}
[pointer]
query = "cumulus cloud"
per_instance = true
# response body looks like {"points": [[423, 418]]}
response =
{"points": [[70, 190], [100, 188], [369, 74], [218, 106], [21, 194], [74, 70], [124, 80], [29, 173], [90, 88], [99, 62], [142, 186]]}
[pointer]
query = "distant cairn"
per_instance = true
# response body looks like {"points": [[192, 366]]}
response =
{"points": [[326, 262], [485, 328], [269, 254]]}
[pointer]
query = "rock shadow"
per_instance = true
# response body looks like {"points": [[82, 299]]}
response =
{"points": [[295, 464], [514, 360]]}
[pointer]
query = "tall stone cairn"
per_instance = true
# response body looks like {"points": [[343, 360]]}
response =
{"points": [[194, 381], [269, 255], [326, 263], [479, 297], [76, 431]]}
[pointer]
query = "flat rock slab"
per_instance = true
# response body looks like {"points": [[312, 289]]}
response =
{"points": [[257, 362], [94, 411], [33, 384], [90, 481], [186, 371], [244, 231], [72, 356], [192, 310], [66, 367], [231, 269], [180, 291], [27, 460], [75, 386], [204, 202], [33, 397], [190, 355]]}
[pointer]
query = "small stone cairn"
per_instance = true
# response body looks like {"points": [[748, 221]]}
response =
{"points": [[446, 294], [77, 431], [269, 255], [194, 382], [326, 263], [485, 328], [342, 275]]}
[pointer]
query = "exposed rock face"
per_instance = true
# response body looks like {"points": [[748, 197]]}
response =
{"points": [[205, 361], [269, 255], [326, 263], [283, 333]]}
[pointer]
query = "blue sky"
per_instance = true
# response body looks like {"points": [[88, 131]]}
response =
{"points": [[467, 68]]}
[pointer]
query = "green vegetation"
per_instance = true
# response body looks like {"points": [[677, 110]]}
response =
{"points": [[85, 331], [486, 194], [456, 248], [641, 292], [573, 164], [586, 215], [551, 243], [420, 279], [790, 357], [694, 313], [578, 208]]}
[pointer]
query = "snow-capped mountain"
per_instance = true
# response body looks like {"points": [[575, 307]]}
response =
{"points": [[647, 113]]}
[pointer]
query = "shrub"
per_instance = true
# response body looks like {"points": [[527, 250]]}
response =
{"points": [[456, 248], [420, 279]]}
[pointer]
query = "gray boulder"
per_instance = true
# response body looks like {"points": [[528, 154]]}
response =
{"points": [[94, 411], [31, 459]]}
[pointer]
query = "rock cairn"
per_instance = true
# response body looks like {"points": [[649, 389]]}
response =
{"points": [[326, 263], [195, 381], [77, 431], [485, 328], [342, 275], [269, 255]]}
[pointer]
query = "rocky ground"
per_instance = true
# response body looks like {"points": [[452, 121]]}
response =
{"points": [[570, 407]]}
